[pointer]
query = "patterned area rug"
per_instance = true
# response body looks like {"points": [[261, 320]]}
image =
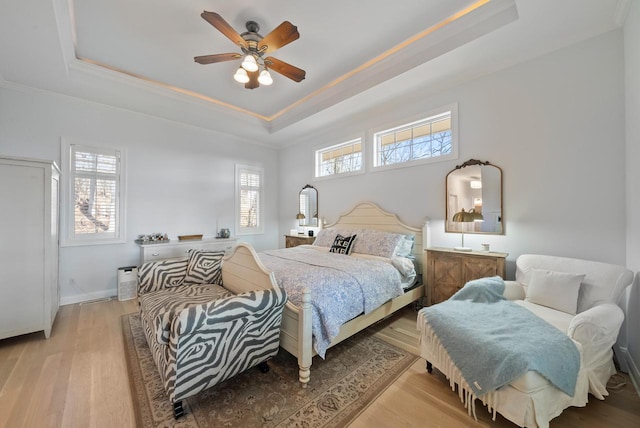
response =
{"points": [[355, 372]]}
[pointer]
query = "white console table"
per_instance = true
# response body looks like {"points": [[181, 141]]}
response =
{"points": [[168, 250]]}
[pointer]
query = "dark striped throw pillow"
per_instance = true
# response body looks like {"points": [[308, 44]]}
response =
{"points": [[204, 267]]}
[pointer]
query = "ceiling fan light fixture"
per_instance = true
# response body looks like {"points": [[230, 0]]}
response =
{"points": [[265, 78], [241, 75], [249, 63], [253, 70]]}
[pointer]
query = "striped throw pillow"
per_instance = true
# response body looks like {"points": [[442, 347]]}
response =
{"points": [[204, 267]]}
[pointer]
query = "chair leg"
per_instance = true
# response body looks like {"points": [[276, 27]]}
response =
{"points": [[429, 367], [264, 367], [178, 411]]}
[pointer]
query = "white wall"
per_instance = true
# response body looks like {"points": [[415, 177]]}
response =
{"points": [[555, 125], [632, 126], [180, 179]]}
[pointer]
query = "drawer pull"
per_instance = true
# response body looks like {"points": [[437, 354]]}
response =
{"points": [[155, 254]]}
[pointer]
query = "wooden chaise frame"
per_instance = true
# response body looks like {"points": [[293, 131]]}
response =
{"points": [[243, 267]]}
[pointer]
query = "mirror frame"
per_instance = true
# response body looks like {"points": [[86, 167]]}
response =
{"points": [[448, 215], [308, 222]]}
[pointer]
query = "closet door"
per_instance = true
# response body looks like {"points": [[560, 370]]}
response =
{"points": [[22, 266]]}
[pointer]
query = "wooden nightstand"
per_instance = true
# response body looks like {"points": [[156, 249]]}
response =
{"points": [[448, 270], [295, 240]]}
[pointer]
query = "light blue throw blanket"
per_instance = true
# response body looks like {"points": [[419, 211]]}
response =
{"points": [[493, 341]]}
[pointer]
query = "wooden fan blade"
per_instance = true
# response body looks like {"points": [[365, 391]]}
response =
{"points": [[253, 80], [287, 70], [224, 27], [283, 34], [210, 59]]}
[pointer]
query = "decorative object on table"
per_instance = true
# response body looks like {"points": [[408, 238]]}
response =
{"points": [[224, 233], [485, 247], [153, 238], [358, 371], [466, 217], [189, 237], [310, 233]]}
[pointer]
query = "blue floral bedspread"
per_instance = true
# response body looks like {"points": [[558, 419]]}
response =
{"points": [[342, 287]]}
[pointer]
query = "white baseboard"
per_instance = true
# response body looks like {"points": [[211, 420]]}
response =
{"points": [[634, 372], [87, 297]]}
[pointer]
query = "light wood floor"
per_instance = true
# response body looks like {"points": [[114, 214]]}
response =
{"points": [[78, 378]]}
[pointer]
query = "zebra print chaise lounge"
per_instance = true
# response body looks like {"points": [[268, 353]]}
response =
{"points": [[199, 332]]}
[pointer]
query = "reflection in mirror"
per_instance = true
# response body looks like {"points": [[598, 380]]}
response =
{"points": [[308, 207], [477, 186]]}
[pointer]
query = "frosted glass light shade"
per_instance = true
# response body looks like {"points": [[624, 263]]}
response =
{"points": [[265, 78], [249, 63], [241, 75]]}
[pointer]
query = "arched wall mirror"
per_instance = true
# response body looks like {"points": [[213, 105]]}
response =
{"points": [[308, 206], [475, 187]]}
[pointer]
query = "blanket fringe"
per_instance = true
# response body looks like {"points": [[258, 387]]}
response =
{"points": [[453, 374]]}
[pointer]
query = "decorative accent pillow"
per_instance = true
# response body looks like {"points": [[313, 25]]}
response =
{"points": [[326, 237], [377, 243], [556, 290], [342, 244], [204, 267], [154, 276], [404, 247]]}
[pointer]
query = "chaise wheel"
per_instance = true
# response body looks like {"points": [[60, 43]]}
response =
{"points": [[429, 367], [264, 367], [178, 411]]}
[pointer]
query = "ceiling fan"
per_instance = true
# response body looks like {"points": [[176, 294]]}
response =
{"points": [[254, 69]]}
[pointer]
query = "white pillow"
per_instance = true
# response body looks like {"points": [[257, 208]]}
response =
{"points": [[556, 290], [404, 247]]}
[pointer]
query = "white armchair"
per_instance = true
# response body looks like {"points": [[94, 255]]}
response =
{"points": [[578, 297], [598, 318]]}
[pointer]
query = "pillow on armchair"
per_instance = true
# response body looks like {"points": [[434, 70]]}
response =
{"points": [[204, 267], [555, 290]]}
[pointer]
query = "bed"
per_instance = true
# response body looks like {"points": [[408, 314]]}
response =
{"points": [[244, 265]]}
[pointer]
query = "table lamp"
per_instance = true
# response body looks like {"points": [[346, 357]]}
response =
{"points": [[465, 217]]}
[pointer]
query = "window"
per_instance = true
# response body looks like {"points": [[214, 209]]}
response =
{"points": [[249, 212], [425, 140], [93, 197], [343, 158]]}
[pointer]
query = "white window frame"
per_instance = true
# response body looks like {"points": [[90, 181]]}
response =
{"points": [[453, 108], [319, 150], [240, 169], [68, 237]]}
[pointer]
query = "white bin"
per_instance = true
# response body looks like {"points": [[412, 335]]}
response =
{"points": [[127, 282]]}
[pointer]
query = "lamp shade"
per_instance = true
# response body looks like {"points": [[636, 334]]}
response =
{"points": [[265, 78], [467, 216], [249, 63], [241, 75]]}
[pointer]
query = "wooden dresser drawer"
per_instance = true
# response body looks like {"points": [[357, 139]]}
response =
{"points": [[295, 240], [448, 270]]}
